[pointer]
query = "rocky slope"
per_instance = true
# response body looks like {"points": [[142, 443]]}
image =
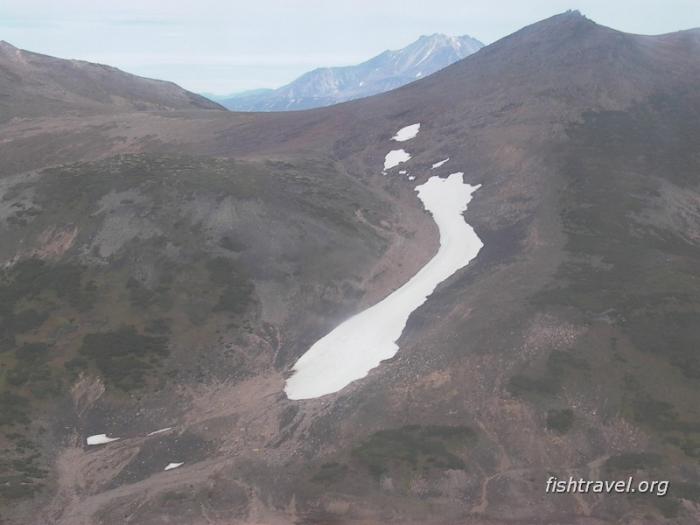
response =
{"points": [[384, 72], [166, 269]]}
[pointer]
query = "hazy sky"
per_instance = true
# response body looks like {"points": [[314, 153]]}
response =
{"points": [[225, 46]]}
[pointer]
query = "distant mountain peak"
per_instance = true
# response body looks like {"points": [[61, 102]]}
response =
{"points": [[569, 18], [386, 71]]}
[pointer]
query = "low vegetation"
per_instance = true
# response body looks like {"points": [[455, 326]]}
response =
{"points": [[632, 461], [330, 473], [237, 288], [558, 367], [560, 421], [123, 357], [414, 448]]}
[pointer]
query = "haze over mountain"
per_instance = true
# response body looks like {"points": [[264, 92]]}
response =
{"points": [[32, 84], [163, 271], [384, 72]]}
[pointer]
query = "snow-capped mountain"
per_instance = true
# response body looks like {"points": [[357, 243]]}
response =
{"points": [[386, 71]]}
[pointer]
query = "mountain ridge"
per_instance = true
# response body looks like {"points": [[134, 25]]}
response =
{"points": [[37, 84], [388, 70]]}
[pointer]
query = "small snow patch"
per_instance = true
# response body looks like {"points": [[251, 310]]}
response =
{"points": [[99, 439], [438, 164], [402, 172], [159, 431], [407, 133], [171, 466], [411, 177], [419, 74], [395, 157]]}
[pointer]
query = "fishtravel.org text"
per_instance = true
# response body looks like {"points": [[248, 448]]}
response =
{"points": [[622, 486]]}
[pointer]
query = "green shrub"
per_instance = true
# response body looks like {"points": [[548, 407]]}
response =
{"points": [[633, 461], [520, 385], [237, 287], [560, 421], [124, 357], [414, 447], [14, 409], [330, 472]]}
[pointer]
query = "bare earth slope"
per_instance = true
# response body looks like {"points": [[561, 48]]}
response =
{"points": [[38, 85], [165, 269]]}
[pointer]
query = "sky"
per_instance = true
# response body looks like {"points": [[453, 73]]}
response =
{"points": [[221, 47]]}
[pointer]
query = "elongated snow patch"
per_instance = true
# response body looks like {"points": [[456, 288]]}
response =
{"points": [[171, 466], [395, 157], [407, 133], [160, 431], [359, 344], [438, 164], [99, 439]]}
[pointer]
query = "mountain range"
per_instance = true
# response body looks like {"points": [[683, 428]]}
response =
{"points": [[388, 70], [164, 263]]}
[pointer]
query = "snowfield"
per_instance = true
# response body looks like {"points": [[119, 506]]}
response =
{"points": [[362, 342], [395, 157], [407, 133]]}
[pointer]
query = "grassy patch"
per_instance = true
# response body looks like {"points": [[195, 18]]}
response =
{"points": [[32, 277], [13, 487], [687, 491], [31, 282], [414, 447], [633, 461], [124, 357], [560, 421], [237, 286], [32, 372], [668, 507], [670, 332], [521, 385], [330, 473], [139, 295], [548, 382], [14, 409]]}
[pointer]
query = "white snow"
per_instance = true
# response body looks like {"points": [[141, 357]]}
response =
{"points": [[419, 74], [362, 342], [407, 133], [438, 164], [395, 157], [99, 439], [171, 466], [402, 172], [159, 431], [411, 177]]}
